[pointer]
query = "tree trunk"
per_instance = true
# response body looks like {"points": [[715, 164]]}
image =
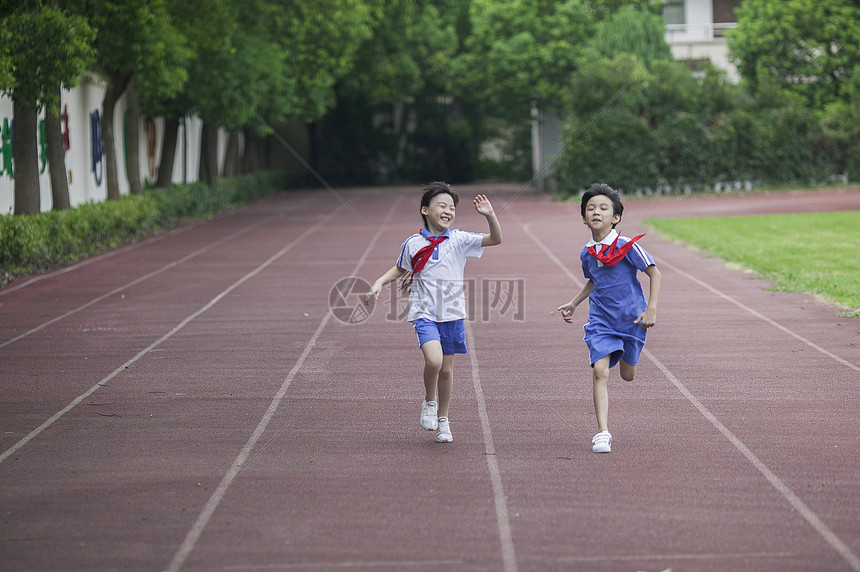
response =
{"points": [[25, 155], [250, 157], [57, 156], [132, 143], [231, 155], [168, 154], [208, 154], [116, 85]]}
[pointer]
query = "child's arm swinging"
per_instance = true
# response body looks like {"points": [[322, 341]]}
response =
{"points": [[648, 318], [484, 207], [567, 309], [393, 273]]}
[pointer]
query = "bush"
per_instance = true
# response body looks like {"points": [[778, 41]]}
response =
{"points": [[686, 151], [36, 243], [616, 148]]}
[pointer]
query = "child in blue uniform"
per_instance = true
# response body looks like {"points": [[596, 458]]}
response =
{"points": [[432, 261], [619, 314]]}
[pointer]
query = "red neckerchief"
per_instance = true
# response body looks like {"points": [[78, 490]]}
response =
{"points": [[422, 256], [419, 260], [612, 254]]}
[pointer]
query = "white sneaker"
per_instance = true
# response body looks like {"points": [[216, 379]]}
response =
{"points": [[602, 442], [443, 432], [428, 415]]}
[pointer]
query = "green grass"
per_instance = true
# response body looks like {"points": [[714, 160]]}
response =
{"points": [[813, 253]]}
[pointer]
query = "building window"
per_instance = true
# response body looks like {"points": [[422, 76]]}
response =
{"points": [[673, 12], [724, 11]]}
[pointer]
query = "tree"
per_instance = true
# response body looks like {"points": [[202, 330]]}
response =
{"points": [[809, 47], [320, 41], [134, 40], [57, 45], [400, 78], [208, 27], [631, 30], [520, 52]]}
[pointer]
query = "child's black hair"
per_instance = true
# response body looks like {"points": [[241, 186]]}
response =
{"points": [[607, 191], [433, 189]]}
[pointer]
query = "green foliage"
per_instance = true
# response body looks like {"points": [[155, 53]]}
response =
{"points": [[37, 243], [686, 157], [616, 147], [808, 47], [138, 38], [632, 31], [56, 44], [395, 118], [772, 145], [784, 248], [663, 127], [519, 52], [320, 41], [409, 51]]}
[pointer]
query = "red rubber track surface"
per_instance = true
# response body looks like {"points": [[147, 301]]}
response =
{"points": [[191, 403]]}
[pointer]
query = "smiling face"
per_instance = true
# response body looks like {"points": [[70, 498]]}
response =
{"points": [[600, 216], [439, 214]]}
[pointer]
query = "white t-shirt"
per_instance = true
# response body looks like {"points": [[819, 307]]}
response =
{"points": [[438, 291]]}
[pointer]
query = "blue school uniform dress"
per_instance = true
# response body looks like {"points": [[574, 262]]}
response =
{"points": [[616, 301], [437, 300]]}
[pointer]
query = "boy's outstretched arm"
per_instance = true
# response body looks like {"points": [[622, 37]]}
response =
{"points": [[648, 318], [484, 207], [393, 273], [567, 309]]}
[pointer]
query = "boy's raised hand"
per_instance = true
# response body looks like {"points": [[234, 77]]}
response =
{"points": [[483, 205]]}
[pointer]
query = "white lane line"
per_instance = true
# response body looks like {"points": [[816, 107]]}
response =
{"points": [[774, 480], [136, 281], [771, 477], [159, 341], [659, 557], [759, 315], [347, 565], [199, 525], [662, 262], [100, 257], [509, 559]]}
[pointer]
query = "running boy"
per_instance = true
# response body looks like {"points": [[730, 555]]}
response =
{"points": [[434, 259], [618, 315]]}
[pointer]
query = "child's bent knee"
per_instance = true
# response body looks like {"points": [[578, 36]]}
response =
{"points": [[628, 372]]}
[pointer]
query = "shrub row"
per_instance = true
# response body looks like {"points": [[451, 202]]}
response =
{"points": [[787, 145], [36, 243]]}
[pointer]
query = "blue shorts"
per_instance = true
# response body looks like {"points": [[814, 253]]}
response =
{"points": [[452, 335], [603, 341]]}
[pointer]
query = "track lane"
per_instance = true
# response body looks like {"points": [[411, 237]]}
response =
{"points": [[685, 331], [342, 476]]}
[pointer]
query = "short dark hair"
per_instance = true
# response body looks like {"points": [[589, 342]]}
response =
{"points": [[433, 189], [607, 191]]}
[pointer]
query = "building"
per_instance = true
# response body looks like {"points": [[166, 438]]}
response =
{"points": [[695, 32]]}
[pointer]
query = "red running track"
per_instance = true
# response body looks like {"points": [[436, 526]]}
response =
{"points": [[191, 403]]}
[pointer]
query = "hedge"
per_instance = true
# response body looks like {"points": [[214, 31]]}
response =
{"points": [[31, 244]]}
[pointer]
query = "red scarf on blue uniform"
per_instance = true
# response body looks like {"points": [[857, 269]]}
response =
{"points": [[613, 254]]}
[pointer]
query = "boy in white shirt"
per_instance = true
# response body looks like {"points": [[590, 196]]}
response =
{"points": [[434, 259]]}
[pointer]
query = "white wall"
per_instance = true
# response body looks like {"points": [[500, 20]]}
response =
{"points": [[699, 38], [80, 102]]}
